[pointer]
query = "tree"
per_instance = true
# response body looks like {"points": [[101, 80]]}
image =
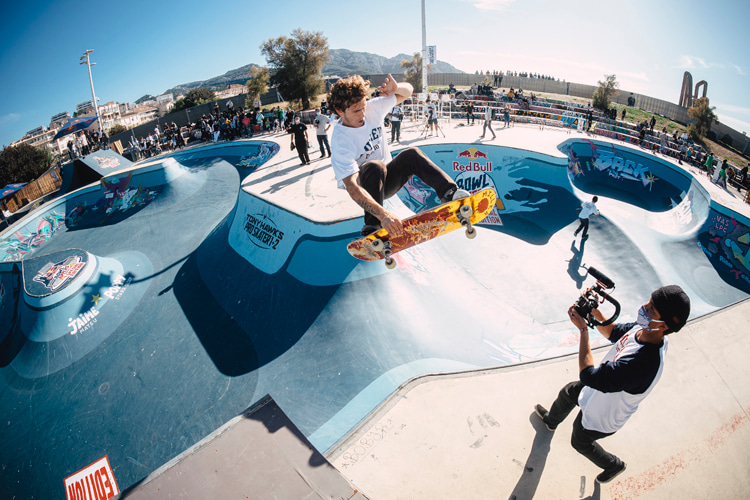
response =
{"points": [[296, 64], [606, 89], [703, 116], [413, 71], [23, 163], [257, 85], [194, 97], [116, 129]]}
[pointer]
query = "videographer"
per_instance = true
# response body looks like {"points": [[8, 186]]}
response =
{"points": [[609, 394]]}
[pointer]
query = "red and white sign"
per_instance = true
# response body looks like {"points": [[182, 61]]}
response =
{"points": [[95, 482]]}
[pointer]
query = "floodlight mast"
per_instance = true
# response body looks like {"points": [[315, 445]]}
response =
{"points": [[85, 60], [424, 50]]}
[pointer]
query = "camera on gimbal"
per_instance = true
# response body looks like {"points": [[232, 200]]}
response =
{"points": [[597, 294]]}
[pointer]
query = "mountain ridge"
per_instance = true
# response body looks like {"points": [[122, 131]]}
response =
{"points": [[341, 62]]}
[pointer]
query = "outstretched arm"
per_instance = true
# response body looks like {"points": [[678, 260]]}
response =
{"points": [[402, 90]]}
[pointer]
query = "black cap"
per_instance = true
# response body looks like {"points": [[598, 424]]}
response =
{"points": [[673, 306]]}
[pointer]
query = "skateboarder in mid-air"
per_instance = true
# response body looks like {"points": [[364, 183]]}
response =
{"points": [[361, 160]]}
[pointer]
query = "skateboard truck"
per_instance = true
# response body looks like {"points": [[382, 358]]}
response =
{"points": [[385, 249], [464, 217]]}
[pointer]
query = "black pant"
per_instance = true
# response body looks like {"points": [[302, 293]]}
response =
{"points": [[383, 181], [582, 439], [583, 225], [395, 130], [323, 144], [302, 150]]}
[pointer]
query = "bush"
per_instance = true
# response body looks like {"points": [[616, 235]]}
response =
{"points": [[23, 163], [727, 139], [117, 129]]}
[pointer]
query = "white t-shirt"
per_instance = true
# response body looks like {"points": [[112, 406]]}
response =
{"points": [[608, 411], [351, 147], [588, 209], [321, 122]]}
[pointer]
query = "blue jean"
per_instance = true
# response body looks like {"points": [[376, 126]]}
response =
{"points": [[323, 144]]}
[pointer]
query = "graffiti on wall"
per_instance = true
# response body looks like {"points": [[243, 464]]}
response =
{"points": [[563, 120], [26, 241], [473, 169], [257, 158], [118, 197], [623, 174], [726, 242]]}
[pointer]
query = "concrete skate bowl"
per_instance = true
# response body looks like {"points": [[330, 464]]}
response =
{"points": [[231, 297]]}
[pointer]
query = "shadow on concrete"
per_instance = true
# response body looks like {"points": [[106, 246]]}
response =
{"points": [[535, 463]]}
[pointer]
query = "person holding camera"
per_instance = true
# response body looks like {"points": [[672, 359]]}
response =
{"points": [[609, 394]]}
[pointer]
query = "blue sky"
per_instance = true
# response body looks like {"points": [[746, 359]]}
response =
{"points": [[145, 47]]}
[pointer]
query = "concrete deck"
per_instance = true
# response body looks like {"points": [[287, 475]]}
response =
{"points": [[474, 434]]}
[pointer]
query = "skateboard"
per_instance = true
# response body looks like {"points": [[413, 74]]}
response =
{"points": [[425, 226]]}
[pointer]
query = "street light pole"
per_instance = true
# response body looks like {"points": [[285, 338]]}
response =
{"points": [[85, 60], [424, 50]]}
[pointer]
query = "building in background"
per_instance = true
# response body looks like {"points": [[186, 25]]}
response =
{"points": [[85, 108], [231, 91], [109, 115], [60, 118]]}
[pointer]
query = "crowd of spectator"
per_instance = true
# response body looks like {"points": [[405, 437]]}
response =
{"points": [[217, 125], [86, 141]]}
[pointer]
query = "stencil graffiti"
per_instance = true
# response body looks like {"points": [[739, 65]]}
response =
{"points": [[118, 196], [257, 158], [24, 242], [726, 242]]}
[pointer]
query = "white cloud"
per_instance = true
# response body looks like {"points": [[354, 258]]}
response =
{"points": [[732, 108], [737, 124], [633, 76], [692, 62], [490, 4], [9, 118], [738, 69]]}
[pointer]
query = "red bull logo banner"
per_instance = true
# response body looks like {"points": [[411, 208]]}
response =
{"points": [[474, 182], [481, 162]]}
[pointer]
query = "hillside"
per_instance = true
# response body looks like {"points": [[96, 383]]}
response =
{"points": [[345, 62], [342, 62]]}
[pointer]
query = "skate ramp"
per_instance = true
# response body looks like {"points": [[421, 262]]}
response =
{"points": [[244, 288]]}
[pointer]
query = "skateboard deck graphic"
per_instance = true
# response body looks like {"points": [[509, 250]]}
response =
{"points": [[425, 226]]}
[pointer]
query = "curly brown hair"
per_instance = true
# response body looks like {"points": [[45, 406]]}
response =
{"points": [[346, 92]]}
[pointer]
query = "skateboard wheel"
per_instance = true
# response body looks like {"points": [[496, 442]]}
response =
{"points": [[471, 233], [390, 263], [377, 244], [466, 210]]}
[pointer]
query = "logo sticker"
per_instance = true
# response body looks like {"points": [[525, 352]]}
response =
{"points": [[472, 166], [93, 482], [262, 231], [53, 276], [107, 161]]}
